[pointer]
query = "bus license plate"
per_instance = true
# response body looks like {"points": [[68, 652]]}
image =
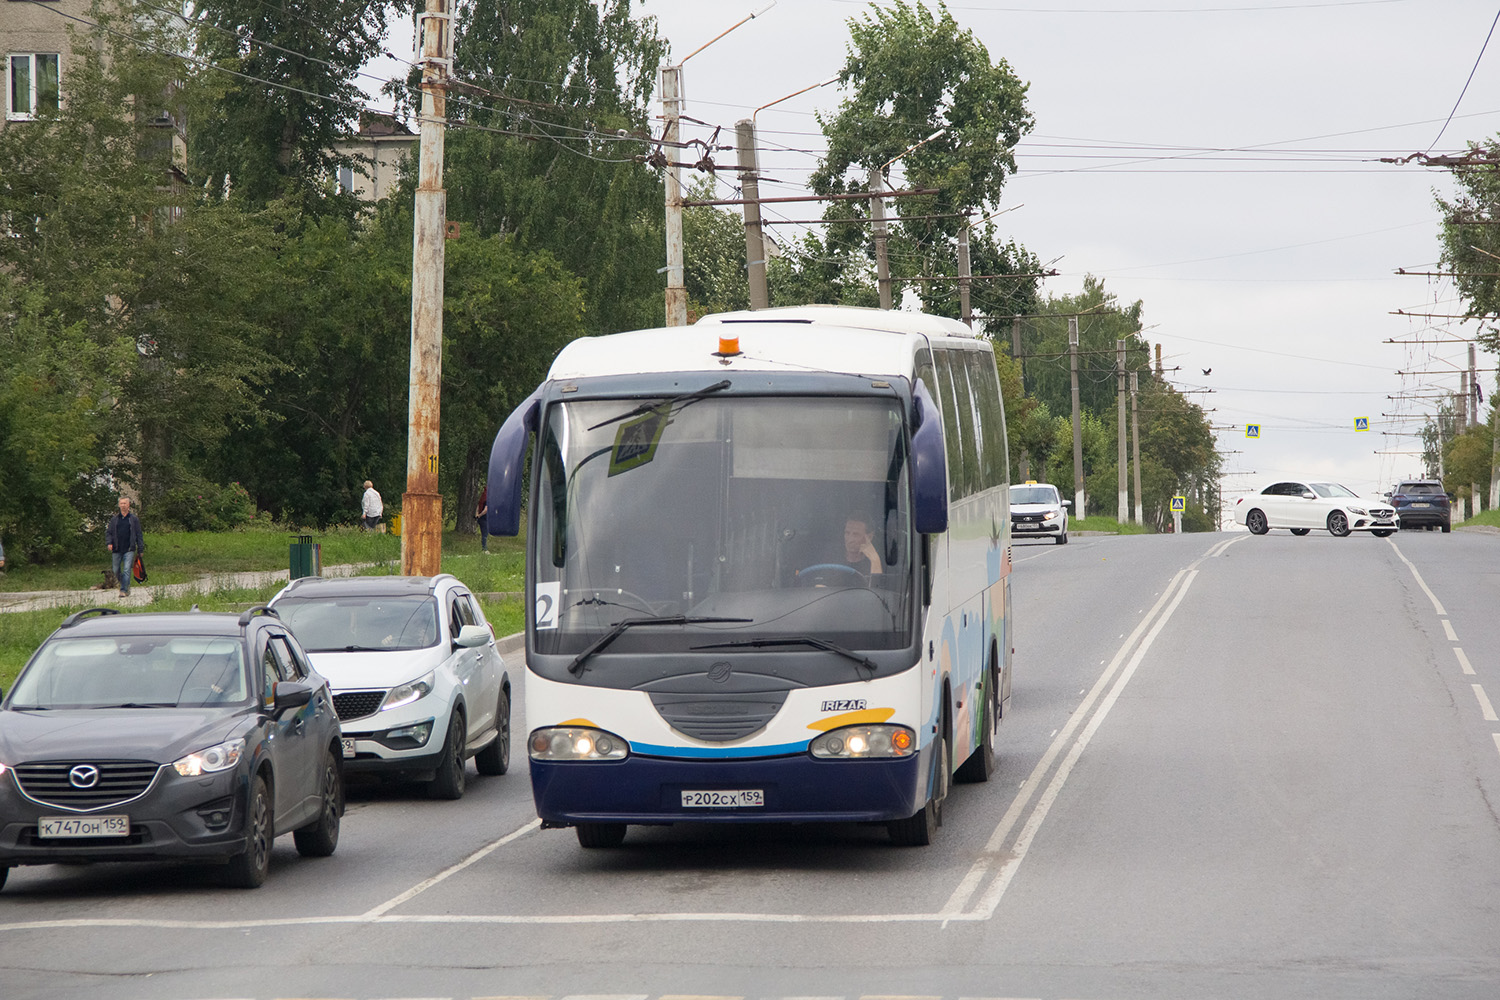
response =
{"points": [[83, 826], [724, 799], [348, 746]]}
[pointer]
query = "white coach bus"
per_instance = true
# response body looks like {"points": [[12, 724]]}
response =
{"points": [[768, 571]]}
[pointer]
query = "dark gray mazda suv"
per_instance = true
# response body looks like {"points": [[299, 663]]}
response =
{"points": [[193, 736]]}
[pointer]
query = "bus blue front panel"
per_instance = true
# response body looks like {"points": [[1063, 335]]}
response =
{"points": [[796, 789]]}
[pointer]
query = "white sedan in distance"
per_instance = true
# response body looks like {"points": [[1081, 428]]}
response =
{"points": [[1304, 505]]}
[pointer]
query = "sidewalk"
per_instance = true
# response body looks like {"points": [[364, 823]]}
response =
{"points": [[141, 594]]}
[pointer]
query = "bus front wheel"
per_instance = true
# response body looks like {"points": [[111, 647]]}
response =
{"points": [[919, 829], [600, 834]]}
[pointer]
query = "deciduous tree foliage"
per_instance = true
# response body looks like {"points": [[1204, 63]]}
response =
{"points": [[284, 90], [1471, 240], [535, 150]]}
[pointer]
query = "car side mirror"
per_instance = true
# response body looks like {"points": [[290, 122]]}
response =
{"points": [[470, 636], [290, 694], [1387, 494], [1309, 495], [1451, 497], [1067, 503]]}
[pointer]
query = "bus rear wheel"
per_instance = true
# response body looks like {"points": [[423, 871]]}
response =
{"points": [[600, 834]]}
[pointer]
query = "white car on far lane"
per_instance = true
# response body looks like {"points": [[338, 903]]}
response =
{"points": [[1303, 505], [1037, 511]]}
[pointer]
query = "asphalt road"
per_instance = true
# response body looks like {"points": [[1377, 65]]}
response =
{"points": [[1234, 767]]}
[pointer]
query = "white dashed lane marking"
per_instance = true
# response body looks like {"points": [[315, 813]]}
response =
{"points": [[1463, 661], [1484, 704]]}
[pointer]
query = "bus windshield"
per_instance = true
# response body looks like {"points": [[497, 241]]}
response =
{"points": [[775, 517]]}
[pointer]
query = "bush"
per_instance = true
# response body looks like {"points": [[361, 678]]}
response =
{"points": [[199, 505]]}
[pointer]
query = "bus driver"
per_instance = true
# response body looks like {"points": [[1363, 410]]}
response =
{"points": [[859, 548]]}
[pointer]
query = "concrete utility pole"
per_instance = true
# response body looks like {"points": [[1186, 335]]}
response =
{"points": [[422, 503], [1122, 512], [882, 264], [964, 312], [1135, 436], [1474, 393], [1078, 497], [1495, 453], [671, 107], [755, 244], [1015, 352]]}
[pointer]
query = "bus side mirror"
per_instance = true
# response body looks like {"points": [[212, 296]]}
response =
{"points": [[929, 465], [508, 464]]}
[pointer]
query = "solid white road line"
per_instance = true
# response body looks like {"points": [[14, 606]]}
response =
{"points": [[991, 899], [1436, 604], [423, 886], [988, 857]]}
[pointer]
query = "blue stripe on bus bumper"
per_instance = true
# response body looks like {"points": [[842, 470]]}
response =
{"points": [[797, 789]]}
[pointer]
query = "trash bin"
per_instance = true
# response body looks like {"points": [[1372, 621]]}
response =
{"points": [[396, 525], [306, 558]]}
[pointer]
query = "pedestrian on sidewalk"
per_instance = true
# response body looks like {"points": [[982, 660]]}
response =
{"points": [[482, 516], [371, 507], [123, 538]]}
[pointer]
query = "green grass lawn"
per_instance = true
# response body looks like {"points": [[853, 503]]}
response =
{"points": [[1489, 517], [495, 577], [1097, 523]]}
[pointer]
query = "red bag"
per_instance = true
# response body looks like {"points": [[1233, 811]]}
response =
{"points": [[139, 570]]}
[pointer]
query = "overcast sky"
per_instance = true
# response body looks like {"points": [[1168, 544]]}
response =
{"points": [[1215, 159]]}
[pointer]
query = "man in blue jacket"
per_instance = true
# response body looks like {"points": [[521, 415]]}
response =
{"points": [[122, 536]]}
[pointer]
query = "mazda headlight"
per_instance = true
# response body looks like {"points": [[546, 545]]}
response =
{"points": [[576, 743], [405, 694], [215, 758], [852, 742]]}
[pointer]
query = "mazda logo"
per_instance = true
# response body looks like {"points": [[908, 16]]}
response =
{"points": [[84, 776]]}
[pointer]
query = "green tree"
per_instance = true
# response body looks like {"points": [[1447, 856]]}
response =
{"points": [[536, 153], [56, 382], [284, 88], [713, 255], [1470, 238]]}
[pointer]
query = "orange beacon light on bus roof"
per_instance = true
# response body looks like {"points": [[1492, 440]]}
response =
{"points": [[728, 346]]}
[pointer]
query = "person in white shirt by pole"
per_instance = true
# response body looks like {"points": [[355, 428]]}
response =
{"points": [[371, 507]]}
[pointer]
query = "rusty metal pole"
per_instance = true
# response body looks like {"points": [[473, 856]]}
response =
{"points": [[422, 504]]}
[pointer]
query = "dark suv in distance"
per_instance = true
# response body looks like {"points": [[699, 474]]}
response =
{"points": [[168, 735], [1422, 503]]}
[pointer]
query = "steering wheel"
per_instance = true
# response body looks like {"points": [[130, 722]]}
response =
{"points": [[826, 574]]}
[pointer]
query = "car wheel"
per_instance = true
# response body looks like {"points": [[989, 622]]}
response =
{"points": [[4, 874], [495, 758], [1338, 524], [319, 838], [248, 870], [1447, 527], [600, 834], [448, 783], [1256, 522], [1062, 539], [1300, 531], [1382, 533]]}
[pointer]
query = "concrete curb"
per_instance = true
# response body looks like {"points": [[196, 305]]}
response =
{"points": [[142, 594]]}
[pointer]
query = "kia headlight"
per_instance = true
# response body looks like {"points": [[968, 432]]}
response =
{"points": [[576, 743], [851, 742], [405, 694], [214, 759]]}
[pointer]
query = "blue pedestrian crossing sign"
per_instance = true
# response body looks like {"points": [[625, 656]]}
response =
{"points": [[1252, 430], [1361, 423], [1179, 504]]}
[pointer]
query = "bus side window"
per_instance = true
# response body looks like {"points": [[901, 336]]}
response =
{"points": [[994, 457], [958, 424]]}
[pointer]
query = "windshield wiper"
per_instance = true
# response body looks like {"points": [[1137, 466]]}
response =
{"points": [[671, 401], [576, 667], [797, 640], [142, 704]]}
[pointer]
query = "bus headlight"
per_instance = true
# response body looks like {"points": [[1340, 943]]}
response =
{"points": [[864, 741], [576, 743]]}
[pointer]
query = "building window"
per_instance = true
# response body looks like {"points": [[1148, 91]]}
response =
{"points": [[34, 85]]}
